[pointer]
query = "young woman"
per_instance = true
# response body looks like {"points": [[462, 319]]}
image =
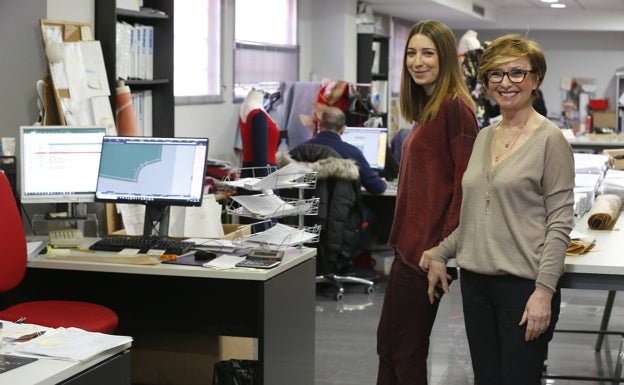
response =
{"points": [[435, 153]]}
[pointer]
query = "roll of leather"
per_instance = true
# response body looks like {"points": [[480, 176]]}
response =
{"points": [[605, 212], [126, 118]]}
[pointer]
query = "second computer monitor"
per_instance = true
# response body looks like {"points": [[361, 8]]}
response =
{"points": [[59, 164], [373, 143]]}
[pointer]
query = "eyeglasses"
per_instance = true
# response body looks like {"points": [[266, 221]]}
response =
{"points": [[514, 76]]}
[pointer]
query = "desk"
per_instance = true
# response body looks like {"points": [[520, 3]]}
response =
{"points": [[110, 367], [602, 268], [275, 306], [597, 144]]}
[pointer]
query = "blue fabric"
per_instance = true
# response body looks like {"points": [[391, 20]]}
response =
{"points": [[369, 178]]}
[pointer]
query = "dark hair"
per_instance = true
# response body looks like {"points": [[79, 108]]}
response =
{"points": [[415, 105]]}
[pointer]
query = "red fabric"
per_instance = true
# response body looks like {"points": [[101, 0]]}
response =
{"points": [[84, 315], [12, 238], [434, 158], [334, 94], [248, 136]]}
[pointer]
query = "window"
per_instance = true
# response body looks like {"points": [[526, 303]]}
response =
{"points": [[265, 51], [197, 51]]}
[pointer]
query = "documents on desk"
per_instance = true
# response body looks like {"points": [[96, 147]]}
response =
{"points": [[70, 344]]}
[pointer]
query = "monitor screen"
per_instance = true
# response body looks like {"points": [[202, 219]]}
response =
{"points": [[373, 143], [59, 164], [152, 171]]}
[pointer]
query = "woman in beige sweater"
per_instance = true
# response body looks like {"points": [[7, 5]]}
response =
{"points": [[516, 216]]}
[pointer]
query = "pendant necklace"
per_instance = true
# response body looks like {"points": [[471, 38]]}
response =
{"points": [[508, 146], [486, 182]]}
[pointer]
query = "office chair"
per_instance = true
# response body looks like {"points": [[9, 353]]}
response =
{"points": [[51, 313], [339, 214]]}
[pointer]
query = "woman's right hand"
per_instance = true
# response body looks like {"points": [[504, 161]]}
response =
{"points": [[438, 279]]}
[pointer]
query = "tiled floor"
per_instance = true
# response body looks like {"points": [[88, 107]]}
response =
{"points": [[346, 339]]}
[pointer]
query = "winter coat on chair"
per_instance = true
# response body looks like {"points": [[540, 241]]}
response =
{"points": [[340, 205]]}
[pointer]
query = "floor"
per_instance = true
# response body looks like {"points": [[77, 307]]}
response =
{"points": [[345, 339]]}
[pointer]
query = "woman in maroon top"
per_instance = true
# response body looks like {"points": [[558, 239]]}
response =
{"points": [[435, 153]]}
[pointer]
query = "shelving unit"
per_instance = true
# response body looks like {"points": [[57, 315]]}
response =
{"points": [[106, 17], [373, 65], [619, 99], [267, 205]]}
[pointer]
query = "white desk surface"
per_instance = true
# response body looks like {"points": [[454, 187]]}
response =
{"points": [[50, 372], [292, 257], [600, 139], [607, 255]]}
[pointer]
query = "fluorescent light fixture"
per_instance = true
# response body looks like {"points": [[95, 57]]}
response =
{"points": [[549, 1], [557, 5]]}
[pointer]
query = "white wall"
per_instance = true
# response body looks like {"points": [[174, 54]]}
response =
{"points": [[71, 10], [578, 55], [328, 48]]}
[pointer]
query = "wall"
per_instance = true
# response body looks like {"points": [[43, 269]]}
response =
{"points": [[583, 54], [331, 22], [327, 49], [21, 62]]}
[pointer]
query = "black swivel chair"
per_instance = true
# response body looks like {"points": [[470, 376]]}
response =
{"points": [[339, 214]]}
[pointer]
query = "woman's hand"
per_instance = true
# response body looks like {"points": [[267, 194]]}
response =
{"points": [[438, 280], [536, 314]]}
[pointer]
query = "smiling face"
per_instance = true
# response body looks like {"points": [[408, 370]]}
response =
{"points": [[513, 96], [422, 62]]}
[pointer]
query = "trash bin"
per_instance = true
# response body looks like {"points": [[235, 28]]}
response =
{"points": [[235, 372]]}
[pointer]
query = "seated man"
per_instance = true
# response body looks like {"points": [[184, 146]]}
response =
{"points": [[331, 126]]}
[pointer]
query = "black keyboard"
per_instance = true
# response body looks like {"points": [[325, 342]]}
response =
{"points": [[118, 243]]}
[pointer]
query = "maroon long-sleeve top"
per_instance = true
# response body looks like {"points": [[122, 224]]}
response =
{"points": [[434, 157]]}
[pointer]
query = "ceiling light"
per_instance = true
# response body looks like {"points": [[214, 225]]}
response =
{"points": [[557, 5], [549, 1]]}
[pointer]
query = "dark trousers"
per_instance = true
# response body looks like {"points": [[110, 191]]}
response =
{"points": [[493, 307], [403, 332]]}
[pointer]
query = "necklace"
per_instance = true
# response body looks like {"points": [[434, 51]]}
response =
{"points": [[486, 182], [509, 145]]}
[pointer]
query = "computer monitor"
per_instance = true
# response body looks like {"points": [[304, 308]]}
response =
{"points": [[373, 143], [155, 172], [59, 164]]}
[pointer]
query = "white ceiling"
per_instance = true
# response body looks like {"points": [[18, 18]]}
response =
{"points": [[579, 15]]}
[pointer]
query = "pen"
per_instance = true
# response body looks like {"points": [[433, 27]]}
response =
{"points": [[82, 250], [28, 337], [20, 320]]}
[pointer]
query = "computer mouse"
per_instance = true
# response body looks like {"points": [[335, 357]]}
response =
{"points": [[203, 255]]}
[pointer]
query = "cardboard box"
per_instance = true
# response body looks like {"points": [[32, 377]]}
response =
{"points": [[185, 359], [616, 158], [603, 119]]}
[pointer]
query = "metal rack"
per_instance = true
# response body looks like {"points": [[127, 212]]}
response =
{"points": [[267, 205]]}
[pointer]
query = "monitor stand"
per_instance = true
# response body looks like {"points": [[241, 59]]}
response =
{"points": [[67, 212], [156, 215]]}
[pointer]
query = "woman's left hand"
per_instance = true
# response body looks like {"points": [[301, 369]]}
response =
{"points": [[536, 314]]}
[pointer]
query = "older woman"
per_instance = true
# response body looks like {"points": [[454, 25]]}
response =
{"points": [[514, 226]]}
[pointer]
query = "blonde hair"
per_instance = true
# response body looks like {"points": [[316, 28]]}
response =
{"points": [[416, 106], [509, 48]]}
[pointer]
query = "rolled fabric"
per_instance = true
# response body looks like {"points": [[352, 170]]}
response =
{"points": [[605, 212], [126, 118]]}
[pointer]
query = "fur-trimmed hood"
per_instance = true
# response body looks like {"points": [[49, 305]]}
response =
{"points": [[322, 159]]}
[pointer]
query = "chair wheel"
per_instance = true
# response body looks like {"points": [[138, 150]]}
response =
{"points": [[339, 296], [369, 289]]}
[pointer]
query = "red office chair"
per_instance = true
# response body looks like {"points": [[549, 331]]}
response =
{"points": [[83, 315]]}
